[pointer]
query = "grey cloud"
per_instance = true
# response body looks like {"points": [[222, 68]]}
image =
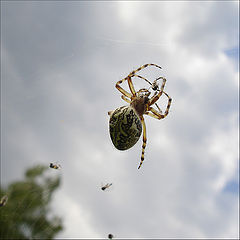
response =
{"points": [[60, 65], [209, 26]]}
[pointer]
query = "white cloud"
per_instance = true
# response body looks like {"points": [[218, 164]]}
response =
{"points": [[223, 147], [75, 218]]}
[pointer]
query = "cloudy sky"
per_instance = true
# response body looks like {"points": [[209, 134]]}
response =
{"points": [[60, 62]]}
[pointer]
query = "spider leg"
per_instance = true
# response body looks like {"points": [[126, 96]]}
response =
{"points": [[135, 75], [158, 114], [144, 141], [125, 99], [142, 67], [160, 111], [124, 92], [131, 87], [155, 97], [130, 84]]}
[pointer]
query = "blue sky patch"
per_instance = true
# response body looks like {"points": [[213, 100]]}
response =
{"points": [[233, 53], [232, 187]]}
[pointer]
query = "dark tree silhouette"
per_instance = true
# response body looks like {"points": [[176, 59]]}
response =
{"points": [[26, 214]]}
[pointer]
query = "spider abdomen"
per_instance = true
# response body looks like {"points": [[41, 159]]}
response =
{"points": [[125, 127]]}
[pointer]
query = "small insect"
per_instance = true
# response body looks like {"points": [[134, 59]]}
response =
{"points": [[55, 166], [155, 84], [110, 236], [3, 200], [126, 123], [106, 186]]}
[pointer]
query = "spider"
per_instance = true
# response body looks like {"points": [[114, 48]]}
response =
{"points": [[126, 123]]}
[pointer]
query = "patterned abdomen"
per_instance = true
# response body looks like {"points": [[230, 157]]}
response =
{"points": [[125, 127]]}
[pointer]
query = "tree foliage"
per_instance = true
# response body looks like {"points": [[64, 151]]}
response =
{"points": [[27, 215]]}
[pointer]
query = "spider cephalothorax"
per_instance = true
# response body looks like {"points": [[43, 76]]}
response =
{"points": [[126, 122]]}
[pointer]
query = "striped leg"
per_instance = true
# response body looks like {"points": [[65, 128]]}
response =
{"points": [[131, 87], [142, 67], [157, 96], [125, 99], [128, 78], [130, 84], [135, 75], [158, 114], [124, 92], [144, 141], [160, 111]]}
